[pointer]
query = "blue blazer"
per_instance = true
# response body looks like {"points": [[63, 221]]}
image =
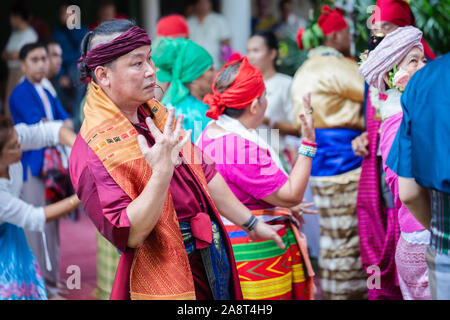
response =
{"points": [[27, 107]]}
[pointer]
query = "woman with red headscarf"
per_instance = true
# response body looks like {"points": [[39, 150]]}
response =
{"points": [[253, 171]]}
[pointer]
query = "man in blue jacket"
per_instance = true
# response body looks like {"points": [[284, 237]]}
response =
{"points": [[30, 103]]}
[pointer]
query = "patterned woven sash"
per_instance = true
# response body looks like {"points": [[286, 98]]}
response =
{"points": [[161, 267], [267, 272]]}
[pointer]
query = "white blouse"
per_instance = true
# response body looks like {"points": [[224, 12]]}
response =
{"points": [[12, 209]]}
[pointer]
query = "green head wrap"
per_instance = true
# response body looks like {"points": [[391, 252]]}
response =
{"points": [[179, 61]]}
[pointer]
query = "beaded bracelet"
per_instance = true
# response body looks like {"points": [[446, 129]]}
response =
{"points": [[251, 223], [308, 149]]}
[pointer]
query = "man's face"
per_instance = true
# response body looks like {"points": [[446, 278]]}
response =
{"points": [[258, 53], [55, 59], [413, 61], [205, 81], [286, 10], [203, 7], [107, 13], [35, 66], [14, 21], [383, 27], [132, 77], [344, 41]]}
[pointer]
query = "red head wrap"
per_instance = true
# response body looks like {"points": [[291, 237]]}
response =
{"points": [[248, 86], [174, 25], [331, 20], [394, 11], [128, 41]]}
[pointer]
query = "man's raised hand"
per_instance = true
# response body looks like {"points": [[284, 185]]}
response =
{"points": [[164, 155]]}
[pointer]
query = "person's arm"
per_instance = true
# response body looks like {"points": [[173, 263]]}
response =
{"points": [[18, 212], [232, 209], [291, 193], [44, 134], [66, 136], [59, 209], [145, 211], [416, 199]]}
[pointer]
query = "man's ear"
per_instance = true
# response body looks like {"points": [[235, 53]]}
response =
{"points": [[102, 76], [22, 66], [273, 54]]}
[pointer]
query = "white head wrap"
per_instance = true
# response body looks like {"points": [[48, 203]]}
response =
{"points": [[391, 50]]}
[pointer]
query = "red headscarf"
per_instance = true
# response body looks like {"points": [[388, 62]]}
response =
{"points": [[331, 20], [173, 25], [398, 12], [248, 86], [394, 11]]}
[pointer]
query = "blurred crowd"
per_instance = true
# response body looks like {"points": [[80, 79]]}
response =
{"points": [[342, 135]]}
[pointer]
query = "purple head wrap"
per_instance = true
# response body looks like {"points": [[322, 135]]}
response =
{"points": [[105, 53]]}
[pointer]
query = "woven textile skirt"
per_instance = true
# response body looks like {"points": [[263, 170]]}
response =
{"points": [[341, 273], [267, 272]]}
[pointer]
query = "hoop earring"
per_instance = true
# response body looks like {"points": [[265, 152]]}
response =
{"points": [[159, 87]]}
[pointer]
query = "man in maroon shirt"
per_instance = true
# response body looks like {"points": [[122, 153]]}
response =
{"points": [[117, 57]]}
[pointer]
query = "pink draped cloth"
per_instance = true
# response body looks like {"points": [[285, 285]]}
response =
{"points": [[378, 225], [389, 130]]}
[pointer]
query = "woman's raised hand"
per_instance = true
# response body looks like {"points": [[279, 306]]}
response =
{"points": [[307, 120], [164, 155]]}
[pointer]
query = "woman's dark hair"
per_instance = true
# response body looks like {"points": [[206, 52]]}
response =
{"points": [[26, 49], [270, 40], [105, 29], [6, 124]]}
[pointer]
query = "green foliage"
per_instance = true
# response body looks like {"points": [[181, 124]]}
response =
{"points": [[433, 18]]}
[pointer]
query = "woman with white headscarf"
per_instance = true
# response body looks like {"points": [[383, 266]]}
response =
{"points": [[388, 68]]}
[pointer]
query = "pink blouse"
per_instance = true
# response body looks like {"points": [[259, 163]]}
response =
{"points": [[248, 169], [389, 130]]}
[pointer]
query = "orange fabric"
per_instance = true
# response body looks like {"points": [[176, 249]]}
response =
{"points": [[161, 267]]}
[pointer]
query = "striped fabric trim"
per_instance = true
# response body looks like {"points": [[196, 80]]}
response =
{"points": [[440, 222]]}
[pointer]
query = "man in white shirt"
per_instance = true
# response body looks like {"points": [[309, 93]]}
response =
{"points": [[22, 33], [210, 30]]}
